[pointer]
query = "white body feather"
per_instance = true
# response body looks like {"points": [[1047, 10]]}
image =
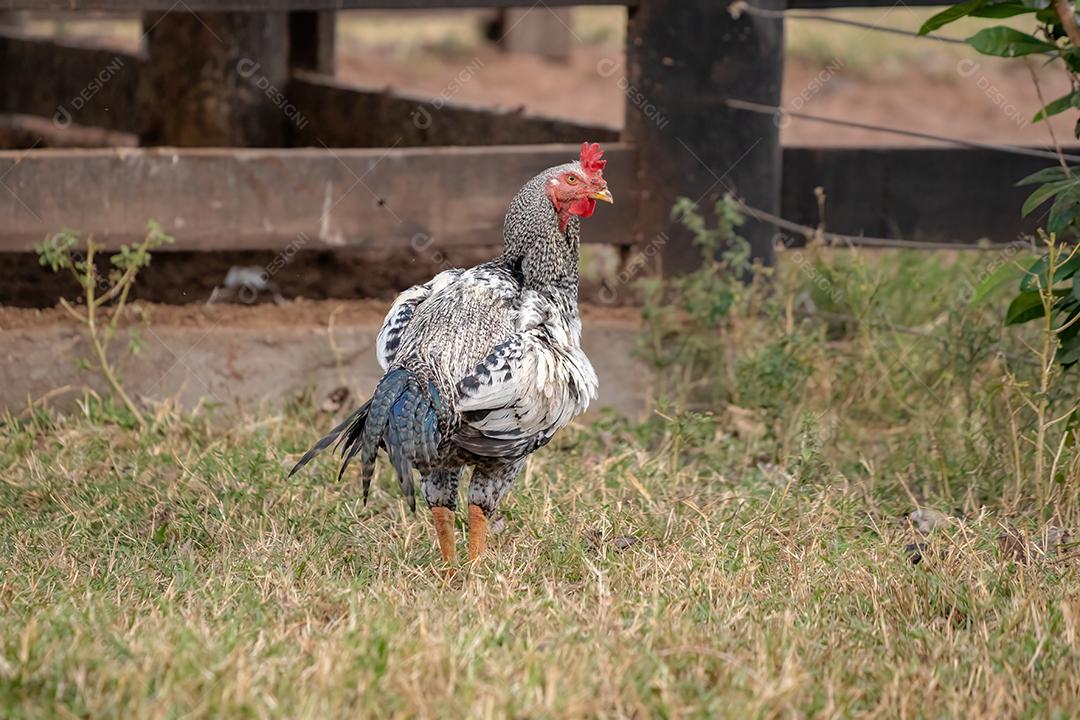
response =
{"points": [[513, 362]]}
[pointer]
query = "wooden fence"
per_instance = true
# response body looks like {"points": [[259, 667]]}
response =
{"points": [[246, 139]]}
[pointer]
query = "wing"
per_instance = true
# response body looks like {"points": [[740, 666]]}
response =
{"points": [[401, 312], [527, 387]]}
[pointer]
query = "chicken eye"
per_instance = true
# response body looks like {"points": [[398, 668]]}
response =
{"points": [[571, 179]]}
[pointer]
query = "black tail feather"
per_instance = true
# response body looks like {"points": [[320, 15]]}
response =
{"points": [[356, 417]]}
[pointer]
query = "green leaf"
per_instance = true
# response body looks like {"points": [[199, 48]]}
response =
{"points": [[1069, 351], [1067, 269], [978, 8], [1003, 41], [1005, 10], [1035, 276], [1045, 175], [1064, 211], [1044, 193], [1025, 307], [1063, 103], [1005, 272], [1069, 334], [951, 14]]}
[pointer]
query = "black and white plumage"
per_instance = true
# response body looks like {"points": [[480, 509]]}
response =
{"points": [[484, 365]]}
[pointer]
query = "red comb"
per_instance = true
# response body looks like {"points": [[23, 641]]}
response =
{"points": [[590, 158]]}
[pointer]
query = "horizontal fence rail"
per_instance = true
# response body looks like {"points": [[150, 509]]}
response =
{"points": [[68, 81], [345, 114], [266, 199], [444, 197]]}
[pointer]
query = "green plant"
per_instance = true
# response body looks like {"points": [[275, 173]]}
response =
{"points": [[61, 252], [1047, 303], [685, 314], [1057, 39]]}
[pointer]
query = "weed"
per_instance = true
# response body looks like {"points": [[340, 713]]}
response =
{"points": [[61, 252]]}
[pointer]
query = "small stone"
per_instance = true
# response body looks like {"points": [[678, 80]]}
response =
{"points": [[926, 520], [1053, 538]]}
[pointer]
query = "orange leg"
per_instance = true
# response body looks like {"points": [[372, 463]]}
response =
{"points": [[478, 530], [444, 530]]}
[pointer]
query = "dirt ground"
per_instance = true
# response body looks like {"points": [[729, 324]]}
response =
{"points": [[190, 277], [298, 312], [975, 100], [830, 70], [253, 355]]}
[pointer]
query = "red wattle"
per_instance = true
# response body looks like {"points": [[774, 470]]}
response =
{"points": [[583, 207]]}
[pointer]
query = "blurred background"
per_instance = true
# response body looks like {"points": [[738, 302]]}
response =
{"points": [[552, 69], [561, 70]]}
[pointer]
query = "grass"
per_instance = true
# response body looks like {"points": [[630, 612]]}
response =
{"points": [[182, 574], [740, 554]]}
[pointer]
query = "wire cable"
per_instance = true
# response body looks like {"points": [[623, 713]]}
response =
{"points": [[741, 6], [864, 241], [777, 111]]}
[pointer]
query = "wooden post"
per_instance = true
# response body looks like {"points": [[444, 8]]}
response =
{"points": [[311, 41], [684, 58], [214, 79]]}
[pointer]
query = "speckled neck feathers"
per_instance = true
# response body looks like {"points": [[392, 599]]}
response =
{"points": [[547, 256]]}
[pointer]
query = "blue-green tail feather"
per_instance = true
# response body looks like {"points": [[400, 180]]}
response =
{"points": [[402, 418]]}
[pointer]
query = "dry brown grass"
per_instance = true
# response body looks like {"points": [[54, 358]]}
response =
{"points": [[181, 574], [746, 559]]}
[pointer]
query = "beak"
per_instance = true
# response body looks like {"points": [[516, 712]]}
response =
{"points": [[604, 195]]}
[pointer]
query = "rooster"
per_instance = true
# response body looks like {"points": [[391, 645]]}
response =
{"points": [[483, 366]]}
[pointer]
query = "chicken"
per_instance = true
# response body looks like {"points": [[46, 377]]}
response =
{"points": [[484, 365]]}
